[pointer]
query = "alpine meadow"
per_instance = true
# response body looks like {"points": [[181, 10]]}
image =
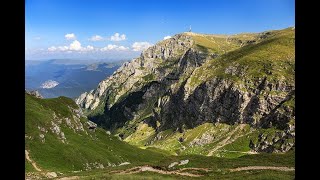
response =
{"points": [[192, 105]]}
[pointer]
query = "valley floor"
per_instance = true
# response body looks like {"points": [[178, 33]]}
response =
{"points": [[149, 172], [258, 166]]}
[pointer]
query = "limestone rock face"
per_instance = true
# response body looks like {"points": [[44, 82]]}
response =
{"points": [[34, 93], [191, 79], [91, 125], [126, 78], [222, 101]]}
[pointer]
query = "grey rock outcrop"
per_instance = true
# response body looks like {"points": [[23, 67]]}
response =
{"points": [[126, 78], [34, 93], [157, 88], [91, 125]]}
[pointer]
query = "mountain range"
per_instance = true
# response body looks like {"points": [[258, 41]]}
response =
{"points": [[191, 86], [191, 106], [70, 78]]}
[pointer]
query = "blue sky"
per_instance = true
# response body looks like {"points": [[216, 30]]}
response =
{"points": [[86, 29]]}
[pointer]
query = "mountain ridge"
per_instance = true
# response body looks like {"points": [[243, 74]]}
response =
{"points": [[214, 106], [235, 79]]}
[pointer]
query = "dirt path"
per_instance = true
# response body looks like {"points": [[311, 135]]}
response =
{"points": [[243, 152], [202, 169], [31, 161], [262, 168], [151, 169], [181, 172], [226, 140], [69, 178]]}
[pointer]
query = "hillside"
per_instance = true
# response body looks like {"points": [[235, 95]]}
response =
{"points": [[60, 143], [215, 95], [194, 105], [58, 138]]}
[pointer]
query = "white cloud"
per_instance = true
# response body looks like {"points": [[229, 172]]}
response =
{"points": [[37, 38], [90, 48], [166, 37], [118, 37], [52, 48], [63, 48], [140, 46], [114, 47], [96, 38], [109, 47], [74, 46], [70, 36], [122, 48]]}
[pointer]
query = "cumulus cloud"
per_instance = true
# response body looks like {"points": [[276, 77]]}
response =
{"points": [[74, 46], [114, 47], [118, 37], [70, 36], [122, 48], [140, 46], [166, 37], [52, 48], [96, 38], [90, 48], [108, 47], [63, 48]]}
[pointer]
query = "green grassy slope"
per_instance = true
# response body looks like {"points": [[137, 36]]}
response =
{"points": [[273, 57], [80, 147], [232, 141], [70, 158], [216, 146], [218, 168], [269, 54]]}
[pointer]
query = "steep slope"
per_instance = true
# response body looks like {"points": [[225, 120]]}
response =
{"points": [[241, 85], [59, 138]]}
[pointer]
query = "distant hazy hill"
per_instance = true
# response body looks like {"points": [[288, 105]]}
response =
{"points": [[68, 78]]}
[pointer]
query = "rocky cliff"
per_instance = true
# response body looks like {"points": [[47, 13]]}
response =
{"points": [[191, 79], [34, 93]]}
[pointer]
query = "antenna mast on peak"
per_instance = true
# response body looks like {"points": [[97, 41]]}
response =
{"points": [[190, 29]]}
